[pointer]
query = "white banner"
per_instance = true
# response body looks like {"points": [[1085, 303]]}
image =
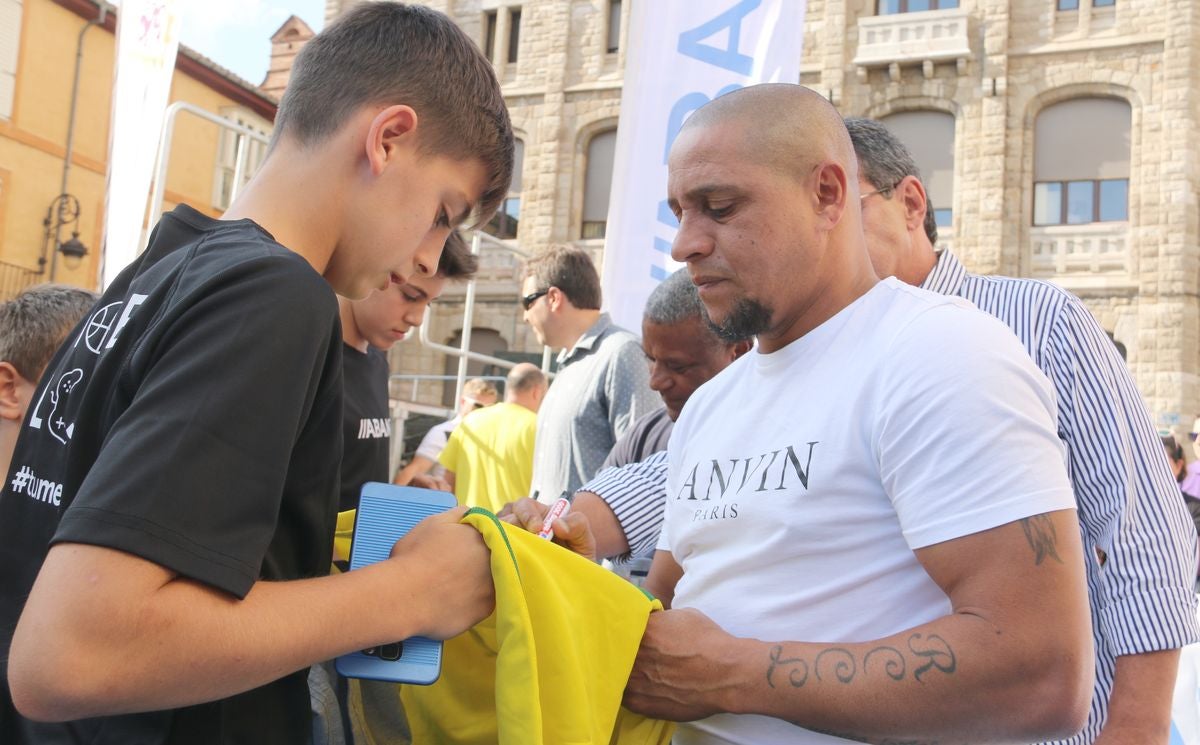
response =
{"points": [[147, 40], [682, 54]]}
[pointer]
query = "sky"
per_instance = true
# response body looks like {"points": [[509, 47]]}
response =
{"points": [[236, 34]]}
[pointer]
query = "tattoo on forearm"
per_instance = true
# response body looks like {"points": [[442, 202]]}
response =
{"points": [[797, 676], [844, 665], [894, 664], [936, 653], [1042, 537], [928, 653]]}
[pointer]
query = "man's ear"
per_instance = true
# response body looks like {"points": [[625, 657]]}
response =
{"points": [[12, 403], [393, 130], [831, 193], [742, 347], [911, 193], [555, 298]]}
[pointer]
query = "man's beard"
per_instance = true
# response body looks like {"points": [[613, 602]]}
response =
{"points": [[747, 319]]}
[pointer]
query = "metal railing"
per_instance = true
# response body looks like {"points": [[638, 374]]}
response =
{"points": [[463, 351], [14, 278], [164, 151]]}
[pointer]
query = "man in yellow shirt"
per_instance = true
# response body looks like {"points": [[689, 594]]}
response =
{"points": [[489, 457]]}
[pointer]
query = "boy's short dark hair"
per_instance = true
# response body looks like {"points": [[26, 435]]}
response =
{"points": [[569, 269], [34, 323], [457, 261], [390, 53]]}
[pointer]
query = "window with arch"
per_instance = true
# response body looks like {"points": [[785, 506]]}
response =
{"points": [[483, 340], [505, 222], [597, 184], [1081, 162], [929, 137]]}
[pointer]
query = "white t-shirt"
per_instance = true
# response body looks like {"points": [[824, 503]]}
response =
{"points": [[434, 442], [801, 481]]}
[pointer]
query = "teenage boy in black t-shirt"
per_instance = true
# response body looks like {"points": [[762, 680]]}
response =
{"points": [[369, 328], [170, 507]]}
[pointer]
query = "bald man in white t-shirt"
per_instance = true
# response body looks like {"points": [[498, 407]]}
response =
{"points": [[840, 564]]}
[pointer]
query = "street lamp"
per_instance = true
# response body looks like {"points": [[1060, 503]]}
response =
{"points": [[63, 212]]}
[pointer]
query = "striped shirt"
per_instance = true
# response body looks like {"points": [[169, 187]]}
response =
{"points": [[637, 495], [1129, 505]]}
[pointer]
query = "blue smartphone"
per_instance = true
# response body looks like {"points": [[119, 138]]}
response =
{"points": [[385, 514]]}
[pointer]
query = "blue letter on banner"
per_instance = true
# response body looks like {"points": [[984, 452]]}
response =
{"points": [[728, 58]]}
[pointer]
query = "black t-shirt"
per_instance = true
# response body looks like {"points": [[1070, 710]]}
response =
{"points": [[367, 427], [646, 437], [193, 419]]}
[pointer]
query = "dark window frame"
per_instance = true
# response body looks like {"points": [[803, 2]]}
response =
{"points": [[612, 37], [490, 20], [514, 34], [1068, 5], [934, 5], [1063, 212], [504, 225]]}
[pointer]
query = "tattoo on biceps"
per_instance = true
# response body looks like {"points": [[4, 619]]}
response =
{"points": [[1042, 537], [926, 654]]}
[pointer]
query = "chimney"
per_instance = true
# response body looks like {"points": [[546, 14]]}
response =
{"points": [[285, 45]]}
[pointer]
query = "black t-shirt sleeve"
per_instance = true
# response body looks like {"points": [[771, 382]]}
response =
{"points": [[192, 472]]}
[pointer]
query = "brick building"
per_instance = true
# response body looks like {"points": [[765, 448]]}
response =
{"points": [[1058, 139]]}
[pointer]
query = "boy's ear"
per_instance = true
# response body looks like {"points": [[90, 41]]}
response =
{"points": [[392, 130], [12, 400]]}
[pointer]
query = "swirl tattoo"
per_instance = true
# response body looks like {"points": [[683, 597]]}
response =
{"points": [[844, 668], [936, 651], [1042, 537], [796, 678], [895, 666]]}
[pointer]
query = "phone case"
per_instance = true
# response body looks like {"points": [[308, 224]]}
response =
{"points": [[385, 514]]}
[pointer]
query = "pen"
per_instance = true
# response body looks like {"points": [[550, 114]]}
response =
{"points": [[557, 510]]}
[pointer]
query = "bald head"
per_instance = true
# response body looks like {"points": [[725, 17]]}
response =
{"points": [[782, 125], [526, 385]]}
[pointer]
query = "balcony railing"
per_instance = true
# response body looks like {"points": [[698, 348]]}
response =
{"points": [[1086, 254], [14, 278], [908, 38]]}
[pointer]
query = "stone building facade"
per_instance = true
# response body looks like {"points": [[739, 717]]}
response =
{"points": [[1059, 139]]}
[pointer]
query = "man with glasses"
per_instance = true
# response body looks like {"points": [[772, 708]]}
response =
{"points": [[1140, 543], [602, 385]]}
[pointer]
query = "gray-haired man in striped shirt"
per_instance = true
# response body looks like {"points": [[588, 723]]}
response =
{"points": [[1135, 529]]}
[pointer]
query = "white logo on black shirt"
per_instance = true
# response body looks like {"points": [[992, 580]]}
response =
{"points": [[60, 429], [103, 328], [374, 429]]}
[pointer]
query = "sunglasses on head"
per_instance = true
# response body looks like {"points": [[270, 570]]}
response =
{"points": [[528, 301]]}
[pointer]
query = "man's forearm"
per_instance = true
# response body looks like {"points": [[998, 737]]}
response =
{"points": [[1139, 709], [957, 679], [132, 659], [129, 635]]}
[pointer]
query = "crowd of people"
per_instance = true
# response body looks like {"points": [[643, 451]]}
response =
{"points": [[778, 459]]}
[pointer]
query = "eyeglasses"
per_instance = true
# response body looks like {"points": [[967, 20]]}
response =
{"points": [[885, 192], [528, 301], [1193, 435]]}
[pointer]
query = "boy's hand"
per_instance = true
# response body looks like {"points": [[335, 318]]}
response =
{"points": [[455, 568], [425, 481], [573, 531]]}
